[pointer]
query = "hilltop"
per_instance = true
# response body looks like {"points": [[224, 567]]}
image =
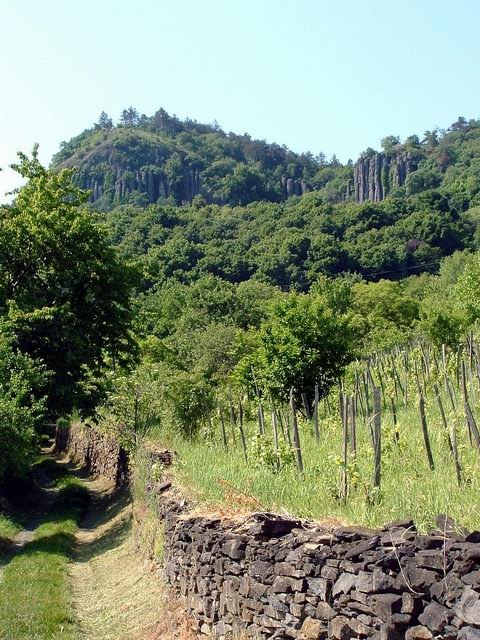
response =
{"points": [[143, 160]]}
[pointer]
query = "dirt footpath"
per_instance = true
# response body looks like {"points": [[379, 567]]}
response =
{"points": [[114, 595]]}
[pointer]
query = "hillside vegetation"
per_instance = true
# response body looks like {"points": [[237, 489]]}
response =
{"points": [[172, 319], [187, 200], [163, 159]]}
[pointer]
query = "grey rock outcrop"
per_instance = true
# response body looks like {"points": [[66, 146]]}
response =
{"points": [[374, 176]]}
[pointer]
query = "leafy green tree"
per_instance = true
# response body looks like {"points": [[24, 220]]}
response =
{"points": [[388, 315], [21, 408], [303, 343], [64, 293], [129, 117], [421, 180], [467, 291], [133, 406], [104, 122], [243, 185], [389, 143]]}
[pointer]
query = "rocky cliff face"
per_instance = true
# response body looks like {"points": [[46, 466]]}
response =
{"points": [[375, 176], [156, 185], [292, 187], [373, 179]]}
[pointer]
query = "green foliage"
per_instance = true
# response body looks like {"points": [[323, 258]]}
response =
{"points": [[189, 402], [220, 472], [133, 406], [290, 244], [235, 169], [302, 343], [443, 317], [265, 455], [21, 408], [467, 291], [64, 293], [386, 312]]}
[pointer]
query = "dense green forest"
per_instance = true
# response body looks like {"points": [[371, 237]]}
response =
{"points": [[290, 244], [146, 316], [234, 219]]}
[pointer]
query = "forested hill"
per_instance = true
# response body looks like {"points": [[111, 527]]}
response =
{"points": [[188, 200], [143, 160]]}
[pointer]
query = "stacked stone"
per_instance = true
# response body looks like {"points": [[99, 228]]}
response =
{"points": [[98, 453], [274, 577]]}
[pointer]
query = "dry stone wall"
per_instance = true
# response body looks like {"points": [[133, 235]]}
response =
{"points": [[98, 453], [266, 576]]}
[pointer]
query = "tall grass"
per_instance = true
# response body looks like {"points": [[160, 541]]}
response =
{"points": [[409, 487]]}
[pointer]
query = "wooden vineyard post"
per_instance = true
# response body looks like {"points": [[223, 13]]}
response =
{"points": [[280, 422], [344, 414], [394, 415], [286, 422], [444, 368], [465, 400], [426, 438], [240, 426], [452, 438], [274, 426], [365, 386], [377, 436], [353, 424], [358, 395], [458, 468], [306, 406], [451, 394], [327, 405], [315, 414], [379, 374], [470, 379], [406, 361], [296, 434], [233, 422], [224, 433], [261, 420], [209, 422], [442, 414], [472, 425]]}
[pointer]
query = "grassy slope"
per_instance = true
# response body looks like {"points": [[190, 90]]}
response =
{"points": [[34, 598], [409, 488]]}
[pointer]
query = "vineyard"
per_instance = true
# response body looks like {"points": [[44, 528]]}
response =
{"points": [[397, 437]]}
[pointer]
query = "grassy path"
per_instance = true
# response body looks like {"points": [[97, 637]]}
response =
{"points": [[34, 599], [113, 595], [73, 572]]}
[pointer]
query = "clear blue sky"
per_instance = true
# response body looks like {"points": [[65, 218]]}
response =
{"points": [[320, 75]]}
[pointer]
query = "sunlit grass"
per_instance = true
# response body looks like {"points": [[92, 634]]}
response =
{"points": [[9, 527], [409, 488], [34, 598]]}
